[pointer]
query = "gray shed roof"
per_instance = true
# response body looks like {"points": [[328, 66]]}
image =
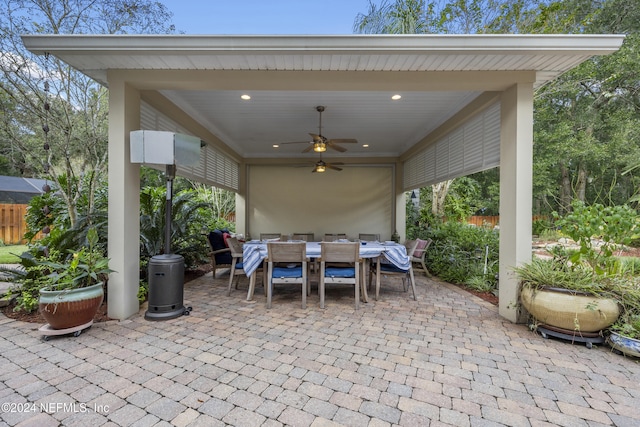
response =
{"points": [[18, 190]]}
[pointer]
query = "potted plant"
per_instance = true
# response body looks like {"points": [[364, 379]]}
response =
{"points": [[624, 335], [76, 287], [581, 291], [570, 299]]}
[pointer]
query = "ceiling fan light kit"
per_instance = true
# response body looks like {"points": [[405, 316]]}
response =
{"points": [[319, 147]]}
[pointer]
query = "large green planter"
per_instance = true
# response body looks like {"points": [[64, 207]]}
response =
{"points": [[68, 308]]}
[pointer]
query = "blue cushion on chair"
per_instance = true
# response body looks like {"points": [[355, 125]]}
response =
{"points": [[284, 272], [390, 268], [347, 272], [239, 265]]}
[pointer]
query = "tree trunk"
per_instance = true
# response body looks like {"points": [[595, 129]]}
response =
{"points": [[581, 187], [440, 191], [565, 190]]}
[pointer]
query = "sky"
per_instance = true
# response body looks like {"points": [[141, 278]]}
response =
{"points": [[265, 16]]}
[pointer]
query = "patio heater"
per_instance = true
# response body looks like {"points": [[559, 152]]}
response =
{"points": [[166, 271]]}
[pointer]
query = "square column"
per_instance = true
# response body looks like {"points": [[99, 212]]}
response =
{"points": [[124, 203], [516, 165]]}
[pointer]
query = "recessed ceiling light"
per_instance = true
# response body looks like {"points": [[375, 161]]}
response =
{"points": [[276, 146], [396, 97], [245, 97], [365, 145]]}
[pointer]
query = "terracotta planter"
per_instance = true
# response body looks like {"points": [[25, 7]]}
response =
{"points": [[627, 346], [63, 309], [569, 310]]}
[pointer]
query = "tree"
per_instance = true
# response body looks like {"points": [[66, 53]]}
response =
{"points": [[416, 17], [41, 92]]}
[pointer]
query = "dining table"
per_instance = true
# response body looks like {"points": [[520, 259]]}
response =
{"points": [[254, 252]]}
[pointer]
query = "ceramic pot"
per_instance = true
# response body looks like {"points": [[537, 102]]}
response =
{"points": [[626, 345], [569, 310], [68, 308]]}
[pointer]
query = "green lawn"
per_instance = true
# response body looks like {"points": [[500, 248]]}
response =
{"points": [[6, 253]]}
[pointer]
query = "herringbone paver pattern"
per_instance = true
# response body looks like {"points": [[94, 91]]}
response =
{"points": [[447, 359]]}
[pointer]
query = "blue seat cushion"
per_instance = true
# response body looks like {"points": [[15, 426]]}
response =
{"points": [[239, 265], [390, 268], [346, 272], [286, 272]]}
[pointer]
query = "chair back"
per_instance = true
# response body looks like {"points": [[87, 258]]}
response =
{"points": [[339, 251], [307, 237], [329, 237], [421, 248], [369, 237], [270, 236], [411, 246], [286, 251]]}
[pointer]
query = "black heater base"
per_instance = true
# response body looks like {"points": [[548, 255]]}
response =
{"points": [[166, 315]]}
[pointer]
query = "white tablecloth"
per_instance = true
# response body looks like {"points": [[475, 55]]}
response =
{"points": [[254, 252]]}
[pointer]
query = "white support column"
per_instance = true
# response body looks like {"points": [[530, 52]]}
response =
{"points": [[516, 158], [124, 202], [400, 208]]}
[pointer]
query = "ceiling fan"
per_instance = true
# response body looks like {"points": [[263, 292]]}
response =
{"points": [[319, 143], [322, 166]]}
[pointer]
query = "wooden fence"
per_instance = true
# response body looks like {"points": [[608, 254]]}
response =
{"points": [[492, 221], [12, 223]]}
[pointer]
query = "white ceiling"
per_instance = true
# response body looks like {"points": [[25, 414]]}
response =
{"points": [[272, 117], [353, 76]]}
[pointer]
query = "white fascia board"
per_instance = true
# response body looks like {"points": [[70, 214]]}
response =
{"points": [[376, 44]]}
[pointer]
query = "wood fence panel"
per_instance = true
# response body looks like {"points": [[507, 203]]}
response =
{"points": [[12, 223], [492, 221]]}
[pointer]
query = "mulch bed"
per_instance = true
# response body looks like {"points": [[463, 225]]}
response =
{"points": [[101, 315]]}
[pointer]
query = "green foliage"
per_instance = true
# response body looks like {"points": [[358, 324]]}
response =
{"points": [[540, 226], [556, 273], [143, 291], [629, 326], [186, 225], [80, 269], [611, 226], [457, 253]]}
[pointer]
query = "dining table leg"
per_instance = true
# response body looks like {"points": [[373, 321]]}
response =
{"points": [[252, 286], [363, 281]]}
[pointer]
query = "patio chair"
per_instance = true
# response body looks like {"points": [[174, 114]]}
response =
{"points": [[419, 255], [342, 253], [219, 254], [369, 237], [270, 236], [237, 267], [389, 270], [307, 237], [293, 254], [332, 237]]}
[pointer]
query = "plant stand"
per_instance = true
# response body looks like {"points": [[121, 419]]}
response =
{"points": [[589, 338], [47, 331]]}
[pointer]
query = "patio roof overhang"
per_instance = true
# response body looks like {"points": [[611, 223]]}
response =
{"points": [[354, 76], [195, 82]]}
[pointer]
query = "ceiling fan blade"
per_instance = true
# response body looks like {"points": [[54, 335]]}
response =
{"points": [[330, 166], [309, 148], [343, 141], [337, 148], [296, 142], [317, 138]]}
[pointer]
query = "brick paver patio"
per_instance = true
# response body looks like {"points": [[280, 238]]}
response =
{"points": [[447, 359]]}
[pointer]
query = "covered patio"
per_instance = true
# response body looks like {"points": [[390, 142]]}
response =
{"points": [[447, 359], [466, 105]]}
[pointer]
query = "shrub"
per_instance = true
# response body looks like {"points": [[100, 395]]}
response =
{"points": [[459, 251]]}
